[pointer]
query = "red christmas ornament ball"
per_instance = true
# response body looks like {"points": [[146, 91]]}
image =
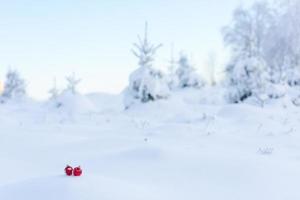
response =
{"points": [[68, 170], [77, 171]]}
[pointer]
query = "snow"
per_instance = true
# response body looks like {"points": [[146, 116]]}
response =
{"points": [[69, 102], [180, 148]]}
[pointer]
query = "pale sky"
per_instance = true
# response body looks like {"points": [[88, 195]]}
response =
{"points": [[93, 38]]}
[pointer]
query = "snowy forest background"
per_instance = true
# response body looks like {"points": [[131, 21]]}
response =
{"points": [[264, 65]]}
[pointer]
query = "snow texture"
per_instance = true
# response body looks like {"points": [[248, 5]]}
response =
{"points": [[179, 148]]}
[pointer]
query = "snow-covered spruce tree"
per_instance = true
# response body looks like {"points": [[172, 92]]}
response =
{"points": [[61, 98], [69, 101], [146, 83], [247, 78], [54, 92], [72, 83], [187, 75], [247, 72], [14, 86]]}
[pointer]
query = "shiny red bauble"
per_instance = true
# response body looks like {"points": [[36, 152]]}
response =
{"points": [[77, 171], [68, 170]]}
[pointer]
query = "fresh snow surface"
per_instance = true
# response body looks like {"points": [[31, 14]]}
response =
{"points": [[180, 148]]}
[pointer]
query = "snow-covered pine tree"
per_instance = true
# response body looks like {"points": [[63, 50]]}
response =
{"points": [[69, 102], [14, 86], [187, 75], [247, 78], [54, 92], [72, 83], [146, 83]]}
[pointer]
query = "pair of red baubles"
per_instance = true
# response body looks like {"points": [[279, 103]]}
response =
{"points": [[77, 171]]}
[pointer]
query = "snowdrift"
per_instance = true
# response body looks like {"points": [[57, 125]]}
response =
{"points": [[184, 147], [72, 103]]}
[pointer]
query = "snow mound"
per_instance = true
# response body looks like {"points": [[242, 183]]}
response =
{"points": [[73, 103]]}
